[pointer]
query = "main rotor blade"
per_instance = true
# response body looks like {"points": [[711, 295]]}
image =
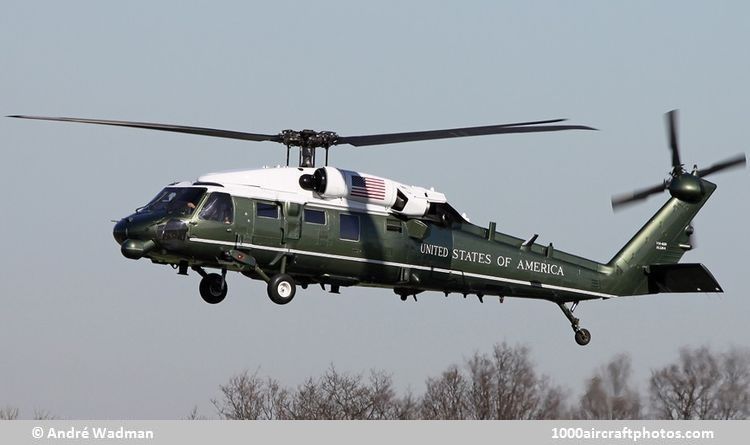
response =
{"points": [[629, 198], [737, 161], [165, 127], [672, 128], [521, 127]]}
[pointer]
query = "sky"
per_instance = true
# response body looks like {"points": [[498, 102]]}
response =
{"points": [[88, 333]]}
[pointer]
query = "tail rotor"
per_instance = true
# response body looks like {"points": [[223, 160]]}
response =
{"points": [[681, 184]]}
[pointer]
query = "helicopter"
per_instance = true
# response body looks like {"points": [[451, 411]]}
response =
{"points": [[296, 226]]}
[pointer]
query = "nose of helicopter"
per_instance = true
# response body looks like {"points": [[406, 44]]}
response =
{"points": [[120, 232], [135, 236]]}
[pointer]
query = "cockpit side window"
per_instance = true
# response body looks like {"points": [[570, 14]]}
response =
{"points": [[175, 200], [218, 207]]}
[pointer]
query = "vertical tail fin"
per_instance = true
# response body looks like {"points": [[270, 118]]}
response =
{"points": [[662, 240]]}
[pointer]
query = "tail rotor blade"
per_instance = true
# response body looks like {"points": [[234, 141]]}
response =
{"points": [[638, 195], [680, 179], [673, 144], [734, 162]]}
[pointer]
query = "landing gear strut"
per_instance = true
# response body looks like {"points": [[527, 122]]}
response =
{"points": [[583, 336], [213, 287]]}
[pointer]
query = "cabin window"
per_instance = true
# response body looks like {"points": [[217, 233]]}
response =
{"points": [[218, 207], [349, 227], [266, 210], [315, 216]]}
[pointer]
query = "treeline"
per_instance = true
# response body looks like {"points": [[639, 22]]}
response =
{"points": [[700, 384], [11, 413], [502, 384]]}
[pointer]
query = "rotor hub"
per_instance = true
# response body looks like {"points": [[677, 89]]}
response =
{"points": [[686, 187], [308, 141], [308, 138]]}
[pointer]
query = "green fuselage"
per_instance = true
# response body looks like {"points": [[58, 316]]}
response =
{"points": [[407, 255], [326, 245]]}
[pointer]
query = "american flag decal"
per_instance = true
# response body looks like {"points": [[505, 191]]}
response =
{"points": [[363, 187]]}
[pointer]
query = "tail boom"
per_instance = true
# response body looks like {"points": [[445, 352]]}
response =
{"points": [[641, 266]]}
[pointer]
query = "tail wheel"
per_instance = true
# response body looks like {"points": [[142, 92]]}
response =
{"points": [[213, 288], [281, 288], [583, 337]]}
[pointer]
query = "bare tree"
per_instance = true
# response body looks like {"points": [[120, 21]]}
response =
{"points": [[608, 393], [407, 407], [500, 385], [703, 385], [446, 397], [503, 385], [552, 403], [383, 401], [733, 394], [275, 400], [344, 396], [8, 413], [520, 393], [482, 391], [732, 399], [194, 415], [248, 397], [43, 414], [684, 390], [337, 395], [305, 402]]}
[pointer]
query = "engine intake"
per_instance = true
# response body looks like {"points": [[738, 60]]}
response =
{"points": [[328, 182]]}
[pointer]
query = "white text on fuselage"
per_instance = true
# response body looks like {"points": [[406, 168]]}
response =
{"points": [[471, 256]]}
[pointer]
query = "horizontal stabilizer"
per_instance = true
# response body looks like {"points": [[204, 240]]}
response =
{"points": [[663, 278]]}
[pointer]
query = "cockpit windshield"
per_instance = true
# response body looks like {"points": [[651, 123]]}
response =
{"points": [[175, 200]]}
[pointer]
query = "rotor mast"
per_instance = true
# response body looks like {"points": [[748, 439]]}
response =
{"points": [[308, 141]]}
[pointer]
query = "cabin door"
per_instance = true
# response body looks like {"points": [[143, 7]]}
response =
{"points": [[215, 218], [267, 224]]}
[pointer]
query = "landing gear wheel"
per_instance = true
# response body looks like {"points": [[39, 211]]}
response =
{"points": [[213, 288], [583, 337], [281, 288]]}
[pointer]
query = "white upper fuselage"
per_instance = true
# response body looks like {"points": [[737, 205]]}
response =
{"points": [[282, 184]]}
